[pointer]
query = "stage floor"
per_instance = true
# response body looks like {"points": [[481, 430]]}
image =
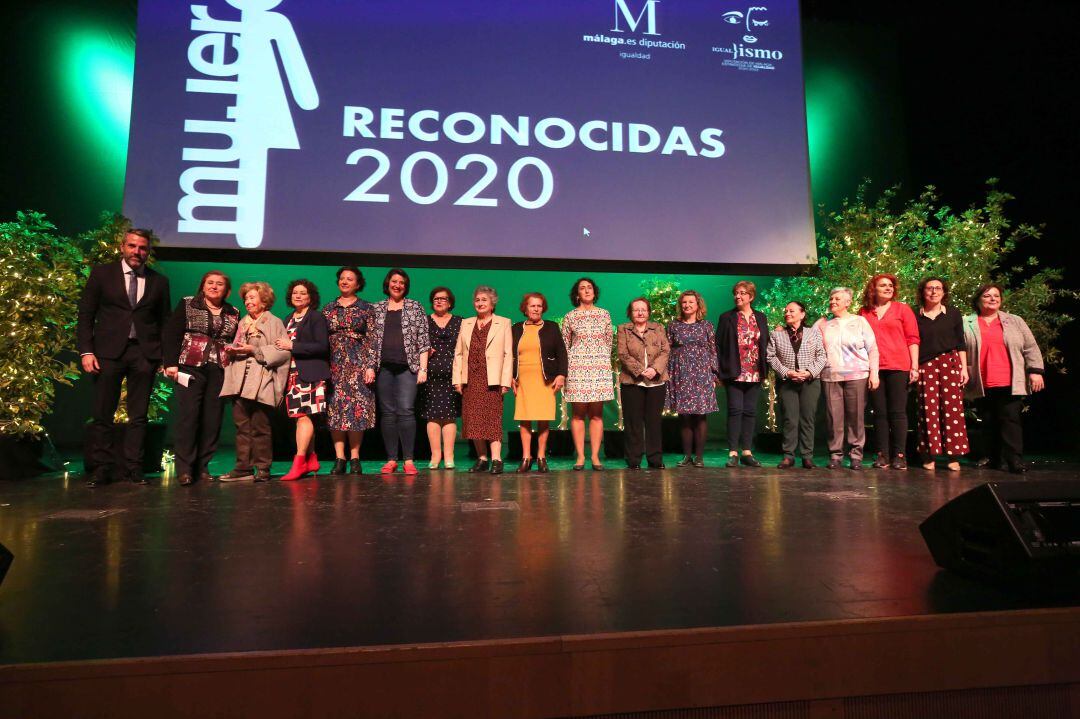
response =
{"points": [[128, 571]]}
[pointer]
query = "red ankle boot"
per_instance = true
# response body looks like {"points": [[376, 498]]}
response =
{"points": [[299, 469], [312, 463]]}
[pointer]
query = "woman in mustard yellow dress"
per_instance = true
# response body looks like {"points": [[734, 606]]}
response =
{"points": [[539, 372]]}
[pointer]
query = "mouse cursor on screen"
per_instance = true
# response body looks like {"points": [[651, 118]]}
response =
{"points": [[585, 231]]}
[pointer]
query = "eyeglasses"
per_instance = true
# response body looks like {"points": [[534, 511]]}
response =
{"points": [[440, 299]]}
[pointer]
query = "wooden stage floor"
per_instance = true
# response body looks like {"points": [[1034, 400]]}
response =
{"points": [[127, 571]]}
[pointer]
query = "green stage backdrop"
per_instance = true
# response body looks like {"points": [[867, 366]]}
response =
{"points": [[72, 92]]}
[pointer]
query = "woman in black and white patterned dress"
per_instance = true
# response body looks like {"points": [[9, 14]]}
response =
{"points": [[309, 369]]}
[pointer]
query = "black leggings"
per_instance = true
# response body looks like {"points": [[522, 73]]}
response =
{"points": [[889, 402], [692, 428]]}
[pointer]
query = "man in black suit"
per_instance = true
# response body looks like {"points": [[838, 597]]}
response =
{"points": [[121, 313]]}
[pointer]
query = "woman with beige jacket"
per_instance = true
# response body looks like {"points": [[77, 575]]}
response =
{"points": [[483, 373], [255, 378]]}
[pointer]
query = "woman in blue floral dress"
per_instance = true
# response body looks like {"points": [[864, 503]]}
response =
{"points": [[691, 389], [351, 407]]}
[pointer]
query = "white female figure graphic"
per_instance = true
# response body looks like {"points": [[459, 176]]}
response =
{"points": [[263, 112]]}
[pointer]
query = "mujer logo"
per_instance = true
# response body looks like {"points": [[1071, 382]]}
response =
{"points": [[239, 59]]}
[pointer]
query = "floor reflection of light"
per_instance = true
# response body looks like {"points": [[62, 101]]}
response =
{"points": [[28, 539], [772, 518], [669, 504], [562, 510], [113, 551]]}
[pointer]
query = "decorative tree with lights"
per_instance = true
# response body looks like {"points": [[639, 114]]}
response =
{"points": [[41, 274], [920, 238]]}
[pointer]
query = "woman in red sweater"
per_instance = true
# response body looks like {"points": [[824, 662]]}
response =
{"points": [[897, 335]]}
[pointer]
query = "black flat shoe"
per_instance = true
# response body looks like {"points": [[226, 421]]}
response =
{"points": [[99, 478], [186, 480], [354, 467], [899, 462], [699, 462], [1017, 468], [496, 466], [480, 466], [749, 460], [658, 466], [732, 461], [786, 463], [808, 464], [833, 464], [633, 466], [881, 462], [525, 466], [684, 462], [856, 465], [541, 465], [339, 467]]}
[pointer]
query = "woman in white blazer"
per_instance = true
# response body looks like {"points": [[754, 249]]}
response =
{"points": [[483, 372]]}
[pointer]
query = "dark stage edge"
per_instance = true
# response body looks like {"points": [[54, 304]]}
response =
{"points": [[164, 570]]}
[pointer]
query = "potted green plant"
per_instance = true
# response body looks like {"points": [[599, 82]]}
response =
{"points": [[40, 273]]}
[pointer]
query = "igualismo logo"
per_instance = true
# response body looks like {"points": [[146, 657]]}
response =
{"points": [[259, 120], [753, 24]]}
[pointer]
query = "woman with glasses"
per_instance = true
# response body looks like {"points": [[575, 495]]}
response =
{"points": [[942, 376], [438, 404]]}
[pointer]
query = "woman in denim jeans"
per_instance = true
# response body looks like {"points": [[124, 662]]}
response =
{"points": [[397, 362]]}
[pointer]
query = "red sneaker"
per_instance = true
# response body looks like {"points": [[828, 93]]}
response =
{"points": [[389, 468]]}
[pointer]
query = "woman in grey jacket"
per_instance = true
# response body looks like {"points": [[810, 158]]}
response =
{"points": [[1004, 364], [796, 354]]}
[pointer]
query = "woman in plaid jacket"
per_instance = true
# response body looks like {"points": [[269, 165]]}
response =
{"points": [[797, 356]]}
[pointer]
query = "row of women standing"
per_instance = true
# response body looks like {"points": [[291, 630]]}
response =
{"points": [[990, 357], [352, 354], [343, 359]]}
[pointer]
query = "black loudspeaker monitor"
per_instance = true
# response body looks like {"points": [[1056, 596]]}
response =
{"points": [[6, 558], [1009, 531]]}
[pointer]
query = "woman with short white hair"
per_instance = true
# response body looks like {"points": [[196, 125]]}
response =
{"points": [[483, 373], [851, 368]]}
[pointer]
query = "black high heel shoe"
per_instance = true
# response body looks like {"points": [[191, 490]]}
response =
{"points": [[541, 465], [480, 466], [496, 466], [525, 466], [579, 467]]}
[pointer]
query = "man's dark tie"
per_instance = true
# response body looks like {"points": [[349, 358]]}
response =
{"points": [[133, 288], [133, 298]]}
